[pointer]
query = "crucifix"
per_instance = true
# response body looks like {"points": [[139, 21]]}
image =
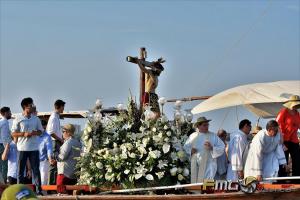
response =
{"points": [[149, 72]]}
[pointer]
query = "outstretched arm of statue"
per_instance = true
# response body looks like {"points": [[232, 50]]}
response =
{"points": [[142, 67]]}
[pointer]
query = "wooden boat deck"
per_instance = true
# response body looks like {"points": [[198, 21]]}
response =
{"points": [[293, 195]]}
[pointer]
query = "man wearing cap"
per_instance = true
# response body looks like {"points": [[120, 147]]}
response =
{"points": [[203, 147], [54, 130], [237, 151], [289, 122], [66, 159]]}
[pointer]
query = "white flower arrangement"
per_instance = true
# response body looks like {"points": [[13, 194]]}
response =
{"points": [[131, 151]]}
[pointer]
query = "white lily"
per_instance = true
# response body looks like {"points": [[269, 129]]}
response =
{"points": [[162, 164], [160, 174]]}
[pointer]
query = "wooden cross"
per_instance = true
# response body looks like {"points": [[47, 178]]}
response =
{"points": [[153, 64]]}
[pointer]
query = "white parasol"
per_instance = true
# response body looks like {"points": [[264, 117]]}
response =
{"points": [[263, 99]]}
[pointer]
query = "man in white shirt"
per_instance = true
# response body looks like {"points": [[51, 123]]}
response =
{"points": [[265, 153], [238, 150], [27, 128], [54, 129], [5, 138], [203, 147]]}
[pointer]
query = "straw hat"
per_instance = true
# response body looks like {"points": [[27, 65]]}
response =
{"points": [[292, 102], [201, 120]]}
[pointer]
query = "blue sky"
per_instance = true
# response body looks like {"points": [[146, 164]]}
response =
{"points": [[76, 50]]}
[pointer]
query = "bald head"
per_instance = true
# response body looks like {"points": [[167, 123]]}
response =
{"points": [[222, 134]]}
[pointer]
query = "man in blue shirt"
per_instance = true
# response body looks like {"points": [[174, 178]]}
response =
{"points": [[4, 137], [46, 154], [28, 128]]}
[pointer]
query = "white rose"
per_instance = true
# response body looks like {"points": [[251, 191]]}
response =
{"points": [[154, 129], [166, 127], [169, 133], [179, 170], [173, 171], [186, 172], [89, 129], [180, 177], [149, 177], [109, 170], [181, 155], [99, 165], [132, 155], [126, 171], [166, 148]]}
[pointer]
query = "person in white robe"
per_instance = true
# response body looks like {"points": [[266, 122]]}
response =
{"points": [[203, 148], [238, 150], [222, 161], [265, 153]]}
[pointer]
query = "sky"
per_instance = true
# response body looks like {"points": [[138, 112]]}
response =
{"points": [[76, 50]]}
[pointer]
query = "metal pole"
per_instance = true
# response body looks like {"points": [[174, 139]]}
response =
{"points": [[157, 188]]}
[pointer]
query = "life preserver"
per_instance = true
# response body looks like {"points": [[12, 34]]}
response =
{"points": [[248, 185]]}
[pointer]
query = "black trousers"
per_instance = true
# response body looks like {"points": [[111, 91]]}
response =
{"points": [[11, 180], [34, 159], [294, 151], [53, 168]]}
